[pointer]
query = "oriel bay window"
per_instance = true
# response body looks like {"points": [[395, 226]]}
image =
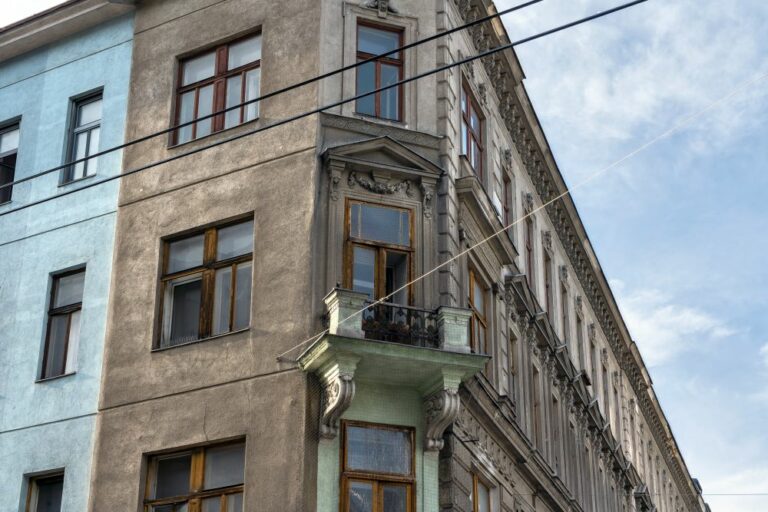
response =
{"points": [[207, 284], [207, 479], [379, 251], [217, 79], [377, 468], [374, 40], [63, 335], [9, 145], [471, 130], [84, 137]]}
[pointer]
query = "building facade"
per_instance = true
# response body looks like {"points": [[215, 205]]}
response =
{"points": [[63, 94]]}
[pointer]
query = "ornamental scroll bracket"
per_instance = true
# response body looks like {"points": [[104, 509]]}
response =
{"points": [[441, 409], [338, 383]]}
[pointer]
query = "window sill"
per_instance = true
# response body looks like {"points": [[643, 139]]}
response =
{"points": [[382, 120], [212, 134], [75, 182], [201, 340], [56, 377]]}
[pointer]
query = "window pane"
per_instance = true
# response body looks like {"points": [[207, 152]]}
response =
{"points": [[186, 114], [366, 82], [244, 52], [397, 276], [173, 476], [377, 41], [474, 121], [186, 253], [224, 466], [234, 240], [252, 87], [234, 92], [74, 341], [9, 140], [185, 310], [81, 142], [69, 289], [395, 498], [212, 504], [390, 99], [235, 502], [93, 148], [463, 100], [7, 172], [378, 450], [243, 296], [463, 137], [380, 224], [221, 296], [204, 108], [199, 68], [364, 270], [479, 298], [483, 498], [89, 112], [49, 492], [360, 497]]}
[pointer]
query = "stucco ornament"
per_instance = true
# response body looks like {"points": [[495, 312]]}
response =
{"points": [[379, 187], [338, 392], [441, 410], [383, 6]]}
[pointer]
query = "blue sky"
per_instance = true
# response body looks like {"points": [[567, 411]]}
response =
{"points": [[680, 229]]}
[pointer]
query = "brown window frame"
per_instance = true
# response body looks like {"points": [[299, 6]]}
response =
{"points": [[208, 275], [219, 81], [196, 480], [580, 342], [378, 480], [548, 295], [388, 60], [477, 480], [530, 265], [68, 310], [471, 135], [478, 317], [565, 317], [32, 490], [536, 409], [381, 249], [507, 203]]}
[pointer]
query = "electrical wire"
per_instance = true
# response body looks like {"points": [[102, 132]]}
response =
{"points": [[296, 117], [677, 126], [272, 94]]}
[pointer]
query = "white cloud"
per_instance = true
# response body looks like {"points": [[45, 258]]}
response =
{"points": [[749, 481], [15, 11], [664, 329]]}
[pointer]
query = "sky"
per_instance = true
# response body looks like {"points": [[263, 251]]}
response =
{"points": [[680, 228]]}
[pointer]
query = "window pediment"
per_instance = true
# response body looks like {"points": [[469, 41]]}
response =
{"points": [[383, 154]]}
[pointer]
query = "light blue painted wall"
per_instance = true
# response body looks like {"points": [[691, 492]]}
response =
{"points": [[50, 425]]}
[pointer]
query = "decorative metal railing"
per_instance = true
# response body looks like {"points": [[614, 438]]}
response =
{"points": [[397, 323]]}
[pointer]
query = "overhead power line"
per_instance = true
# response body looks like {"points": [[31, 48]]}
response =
{"points": [[296, 117], [272, 94]]}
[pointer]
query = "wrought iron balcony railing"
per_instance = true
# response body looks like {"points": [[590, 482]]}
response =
{"points": [[397, 323]]}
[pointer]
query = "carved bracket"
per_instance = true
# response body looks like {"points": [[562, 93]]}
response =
{"points": [[441, 410], [338, 391]]}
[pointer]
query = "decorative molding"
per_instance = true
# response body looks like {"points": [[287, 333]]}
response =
{"points": [[427, 193], [564, 273], [440, 409], [506, 158], [384, 7], [379, 187], [337, 397], [546, 240], [592, 332], [527, 202], [577, 305]]}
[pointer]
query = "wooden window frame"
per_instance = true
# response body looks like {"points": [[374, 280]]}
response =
{"points": [[478, 480], [481, 317], [472, 136], [565, 317], [548, 284], [580, 342], [4, 128], [530, 262], [389, 61], [536, 409], [74, 131], [377, 480], [196, 493], [381, 249], [219, 82], [32, 490], [207, 273], [507, 202], [68, 310]]}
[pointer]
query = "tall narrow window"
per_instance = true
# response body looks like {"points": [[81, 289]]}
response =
{"points": [[207, 479], [224, 77], [593, 356], [45, 493], [374, 40], [556, 438], [481, 495], [84, 138], [580, 342], [508, 213], [471, 130], [60, 354], [207, 284], [9, 146], [477, 303], [379, 251], [536, 408], [548, 287], [529, 261], [606, 395], [513, 362], [564, 316], [377, 468]]}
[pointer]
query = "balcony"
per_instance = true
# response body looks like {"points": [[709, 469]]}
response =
{"points": [[394, 345]]}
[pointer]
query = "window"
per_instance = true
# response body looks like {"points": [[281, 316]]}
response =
{"points": [[45, 493], [63, 334], [508, 213], [207, 284], [556, 438], [471, 131], [536, 408], [593, 355], [513, 361], [529, 267], [606, 395], [377, 468], [9, 145], [479, 325], [564, 317], [548, 287], [374, 40], [84, 138], [217, 79], [208, 479], [580, 342], [379, 250], [481, 495]]}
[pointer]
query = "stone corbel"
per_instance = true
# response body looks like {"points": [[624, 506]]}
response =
{"points": [[338, 382], [441, 409], [335, 169]]}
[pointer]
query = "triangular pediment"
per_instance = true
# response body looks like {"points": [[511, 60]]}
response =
{"points": [[383, 153]]}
